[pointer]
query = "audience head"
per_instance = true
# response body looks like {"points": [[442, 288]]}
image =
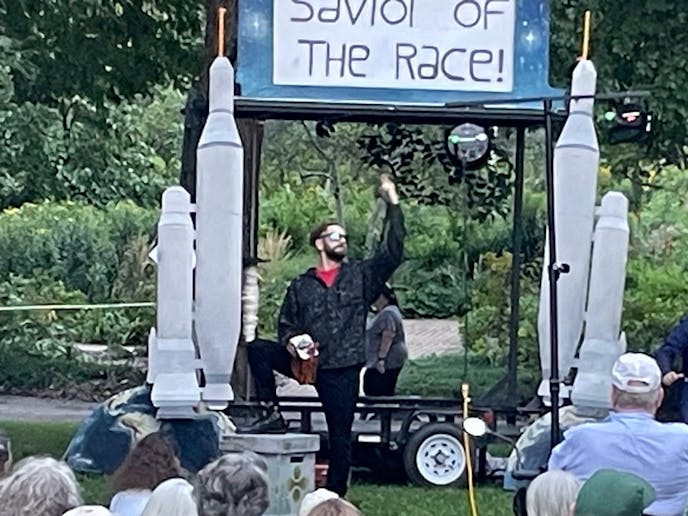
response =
{"points": [[334, 507], [552, 494], [151, 462], [5, 454], [89, 510], [614, 493], [312, 500], [636, 384], [236, 484], [39, 485], [173, 497]]}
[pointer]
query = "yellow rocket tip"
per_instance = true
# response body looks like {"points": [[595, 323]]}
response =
{"points": [[221, 12], [586, 35]]}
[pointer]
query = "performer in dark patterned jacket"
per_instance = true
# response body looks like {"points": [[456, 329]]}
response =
{"points": [[329, 303]]}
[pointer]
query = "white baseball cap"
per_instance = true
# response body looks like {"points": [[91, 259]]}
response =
{"points": [[636, 373]]}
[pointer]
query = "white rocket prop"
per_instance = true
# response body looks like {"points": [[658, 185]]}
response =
{"points": [[219, 213], [576, 159], [171, 351], [602, 344]]}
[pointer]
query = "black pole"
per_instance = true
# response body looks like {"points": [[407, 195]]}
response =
{"points": [[517, 241], [553, 275]]}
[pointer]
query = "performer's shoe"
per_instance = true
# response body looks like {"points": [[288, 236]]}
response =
{"points": [[272, 423]]}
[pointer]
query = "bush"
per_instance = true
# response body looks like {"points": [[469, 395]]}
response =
{"points": [[74, 253], [37, 347], [84, 247]]}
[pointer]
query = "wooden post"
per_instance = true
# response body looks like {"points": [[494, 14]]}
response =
{"points": [[251, 133]]}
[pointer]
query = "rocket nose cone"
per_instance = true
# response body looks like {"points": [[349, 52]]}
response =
{"points": [[584, 79], [221, 88], [221, 64], [614, 204]]}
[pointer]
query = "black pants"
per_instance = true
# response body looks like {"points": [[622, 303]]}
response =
{"points": [[338, 392], [377, 384]]}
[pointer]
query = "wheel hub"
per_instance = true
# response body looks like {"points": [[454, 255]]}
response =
{"points": [[440, 459]]}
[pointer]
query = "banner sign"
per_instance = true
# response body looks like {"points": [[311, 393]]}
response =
{"points": [[397, 51]]}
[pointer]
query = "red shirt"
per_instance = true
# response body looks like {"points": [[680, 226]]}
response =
{"points": [[327, 276]]}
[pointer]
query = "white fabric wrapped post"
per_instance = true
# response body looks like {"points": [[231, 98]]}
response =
{"points": [[250, 298], [576, 159], [175, 386], [602, 345], [219, 220]]}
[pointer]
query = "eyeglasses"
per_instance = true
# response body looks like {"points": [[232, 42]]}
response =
{"points": [[334, 236]]}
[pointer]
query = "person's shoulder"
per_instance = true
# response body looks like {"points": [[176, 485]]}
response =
{"points": [[679, 430], [306, 275], [585, 430]]}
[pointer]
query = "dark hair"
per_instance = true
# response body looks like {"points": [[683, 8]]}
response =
{"points": [[151, 462], [318, 230], [389, 294]]}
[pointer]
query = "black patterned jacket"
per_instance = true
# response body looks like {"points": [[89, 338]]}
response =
{"points": [[335, 317]]}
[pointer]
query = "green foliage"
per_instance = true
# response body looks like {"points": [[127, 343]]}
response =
{"points": [[648, 57], [131, 154], [37, 348], [416, 157], [276, 277], [77, 244], [71, 253], [105, 49], [46, 438], [443, 375]]}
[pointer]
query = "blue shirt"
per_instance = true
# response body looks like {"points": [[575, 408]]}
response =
{"points": [[634, 442]]}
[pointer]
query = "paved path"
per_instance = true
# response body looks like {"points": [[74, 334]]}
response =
{"points": [[424, 338]]}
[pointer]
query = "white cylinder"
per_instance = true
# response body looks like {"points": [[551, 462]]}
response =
{"points": [[172, 354], [219, 221], [250, 301], [576, 160], [175, 265], [601, 346]]}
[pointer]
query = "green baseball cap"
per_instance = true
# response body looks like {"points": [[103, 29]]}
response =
{"points": [[614, 493]]}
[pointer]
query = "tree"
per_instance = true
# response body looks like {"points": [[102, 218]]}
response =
{"points": [[103, 49], [644, 48]]}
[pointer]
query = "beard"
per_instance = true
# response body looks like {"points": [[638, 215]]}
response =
{"points": [[336, 254]]}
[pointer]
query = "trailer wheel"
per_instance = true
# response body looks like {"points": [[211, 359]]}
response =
{"points": [[434, 456]]}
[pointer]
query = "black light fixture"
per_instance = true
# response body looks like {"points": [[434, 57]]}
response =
{"points": [[468, 146], [629, 123]]}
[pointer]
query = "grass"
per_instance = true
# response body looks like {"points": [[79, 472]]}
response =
{"points": [[374, 500], [443, 375]]}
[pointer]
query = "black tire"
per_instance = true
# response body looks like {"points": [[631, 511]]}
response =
{"points": [[433, 439]]}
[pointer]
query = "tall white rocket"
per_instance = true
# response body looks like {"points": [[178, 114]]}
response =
{"points": [[219, 213], [171, 353], [603, 344], [576, 160]]}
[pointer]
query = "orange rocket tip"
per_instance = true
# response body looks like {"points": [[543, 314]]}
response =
{"points": [[585, 51], [221, 12]]}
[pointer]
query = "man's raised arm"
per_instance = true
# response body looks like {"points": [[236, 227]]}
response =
{"points": [[379, 268]]}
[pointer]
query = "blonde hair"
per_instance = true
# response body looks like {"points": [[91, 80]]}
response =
{"points": [[552, 494], [172, 497], [39, 485], [335, 507]]}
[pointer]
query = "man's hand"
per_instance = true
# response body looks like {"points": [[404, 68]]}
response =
{"points": [[388, 190], [671, 377], [380, 366]]}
